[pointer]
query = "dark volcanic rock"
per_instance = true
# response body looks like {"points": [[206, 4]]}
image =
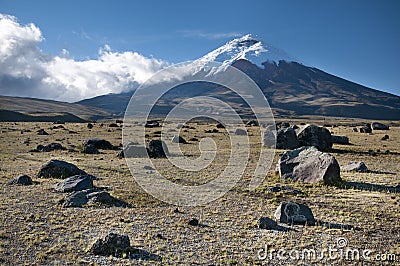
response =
{"points": [[21, 180], [75, 183], [193, 222], [220, 125], [266, 223], [340, 140], [379, 126], [91, 196], [101, 144], [287, 139], [240, 132], [357, 167], [42, 132], [89, 125], [309, 165], [313, 135], [49, 147], [214, 130], [252, 123], [151, 124], [90, 149], [386, 137], [157, 149], [113, 125], [59, 169], [112, 245], [294, 213], [366, 129]]}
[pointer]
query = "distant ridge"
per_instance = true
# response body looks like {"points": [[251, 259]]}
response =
{"points": [[12, 116]]}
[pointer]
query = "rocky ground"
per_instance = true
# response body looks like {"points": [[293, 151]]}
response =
{"points": [[37, 229]]}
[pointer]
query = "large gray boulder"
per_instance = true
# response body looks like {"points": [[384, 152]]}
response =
{"points": [[379, 126], [59, 169], [286, 139], [91, 196], [307, 164], [313, 135], [75, 183], [294, 213]]}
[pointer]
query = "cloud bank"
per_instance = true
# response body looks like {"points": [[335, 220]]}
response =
{"points": [[27, 71]]}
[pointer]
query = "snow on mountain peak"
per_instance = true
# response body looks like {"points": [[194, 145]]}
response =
{"points": [[246, 47]]}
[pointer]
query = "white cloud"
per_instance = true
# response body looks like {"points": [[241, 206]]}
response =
{"points": [[26, 71]]}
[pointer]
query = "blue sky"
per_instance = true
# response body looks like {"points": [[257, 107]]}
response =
{"points": [[356, 40]]}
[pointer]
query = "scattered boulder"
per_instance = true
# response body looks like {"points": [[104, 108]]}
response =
{"points": [[340, 140], [178, 139], [119, 121], [313, 135], [356, 166], [113, 125], [266, 223], [240, 132], [91, 196], [59, 169], [287, 139], [48, 148], [252, 123], [193, 139], [269, 139], [282, 125], [193, 222], [42, 132], [157, 149], [101, 144], [379, 126], [133, 151], [23, 180], [294, 213], [309, 165], [366, 129], [355, 129], [112, 245], [285, 188], [152, 123], [214, 130], [220, 125], [90, 149], [89, 125], [386, 137], [75, 183]]}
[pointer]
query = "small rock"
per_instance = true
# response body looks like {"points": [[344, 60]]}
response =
{"points": [[42, 132], [252, 123], [220, 125], [59, 169], [355, 129], [178, 139], [23, 180], [356, 166], [386, 137], [113, 244], [89, 125], [366, 129], [146, 167], [294, 213], [269, 139], [240, 132], [193, 139], [193, 222], [133, 151], [75, 183], [266, 223], [101, 144], [48, 148], [214, 130], [113, 125], [151, 124]]}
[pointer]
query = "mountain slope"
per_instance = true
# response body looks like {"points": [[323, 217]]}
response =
{"points": [[32, 105]]}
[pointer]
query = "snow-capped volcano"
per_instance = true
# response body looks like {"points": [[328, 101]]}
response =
{"points": [[246, 47]]}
